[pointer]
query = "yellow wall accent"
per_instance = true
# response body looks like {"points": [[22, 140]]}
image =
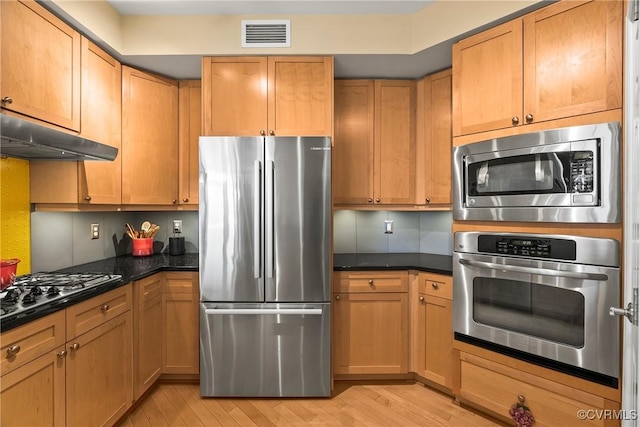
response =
{"points": [[15, 213]]}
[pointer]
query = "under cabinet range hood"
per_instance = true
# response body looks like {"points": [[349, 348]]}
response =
{"points": [[30, 141]]}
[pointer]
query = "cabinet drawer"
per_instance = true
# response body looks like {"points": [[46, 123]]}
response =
{"points": [[436, 285], [373, 281], [87, 315], [23, 344], [497, 387]]}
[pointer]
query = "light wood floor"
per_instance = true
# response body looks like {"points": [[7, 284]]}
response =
{"points": [[171, 404]]}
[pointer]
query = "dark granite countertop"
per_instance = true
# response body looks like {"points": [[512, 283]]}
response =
{"points": [[129, 267], [432, 263]]}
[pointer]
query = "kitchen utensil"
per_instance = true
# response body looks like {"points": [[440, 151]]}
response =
{"points": [[8, 269], [145, 229]]}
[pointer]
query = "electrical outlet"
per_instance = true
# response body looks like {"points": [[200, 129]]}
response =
{"points": [[95, 231], [177, 226], [388, 226]]}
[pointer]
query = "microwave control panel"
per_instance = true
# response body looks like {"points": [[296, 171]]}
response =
{"points": [[582, 171], [532, 247]]}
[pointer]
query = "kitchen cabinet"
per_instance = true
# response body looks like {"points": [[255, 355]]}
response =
{"points": [[147, 345], [433, 329], [433, 139], [88, 182], [560, 61], [370, 323], [99, 380], [190, 129], [33, 373], [181, 341], [40, 74], [275, 95], [495, 387], [149, 139], [374, 154]]}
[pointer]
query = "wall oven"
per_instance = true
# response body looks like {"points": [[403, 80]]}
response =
{"points": [[541, 298], [563, 175]]}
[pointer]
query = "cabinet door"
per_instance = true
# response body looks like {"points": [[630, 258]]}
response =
{"points": [[434, 139], [395, 143], [99, 379], [190, 129], [234, 96], [180, 347], [435, 340], [147, 347], [149, 139], [487, 80], [572, 59], [41, 64], [352, 167], [370, 333], [101, 182], [34, 394], [300, 95]]}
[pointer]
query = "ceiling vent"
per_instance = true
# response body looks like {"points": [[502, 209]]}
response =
{"points": [[266, 33]]}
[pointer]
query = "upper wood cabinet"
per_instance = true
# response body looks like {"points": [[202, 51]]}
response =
{"points": [[282, 96], [88, 182], [561, 61], [374, 154], [189, 131], [434, 139], [149, 139], [40, 75]]}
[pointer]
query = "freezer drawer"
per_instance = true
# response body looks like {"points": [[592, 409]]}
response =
{"points": [[265, 350]]}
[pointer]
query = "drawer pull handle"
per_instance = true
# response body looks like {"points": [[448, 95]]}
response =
{"points": [[104, 308], [75, 346], [421, 299], [338, 297], [13, 350], [7, 100], [434, 285], [371, 282], [61, 354], [520, 398]]}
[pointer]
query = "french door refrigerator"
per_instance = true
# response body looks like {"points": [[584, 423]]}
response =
{"points": [[265, 266]]}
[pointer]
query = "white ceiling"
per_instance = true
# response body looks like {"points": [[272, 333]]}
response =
{"points": [[266, 7]]}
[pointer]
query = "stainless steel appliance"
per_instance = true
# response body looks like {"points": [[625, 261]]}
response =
{"points": [[563, 175], [541, 298], [38, 292], [265, 266]]}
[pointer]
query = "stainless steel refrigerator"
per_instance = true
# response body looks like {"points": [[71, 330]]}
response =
{"points": [[265, 266]]}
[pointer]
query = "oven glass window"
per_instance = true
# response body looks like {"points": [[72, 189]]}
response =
{"points": [[546, 312], [544, 173]]}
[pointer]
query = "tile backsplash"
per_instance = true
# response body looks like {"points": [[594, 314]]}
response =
{"points": [[62, 239], [363, 232]]}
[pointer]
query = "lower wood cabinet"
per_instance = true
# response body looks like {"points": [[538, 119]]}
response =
{"points": [[432, 340], [371, 323], [181, 323], [147, 345]]}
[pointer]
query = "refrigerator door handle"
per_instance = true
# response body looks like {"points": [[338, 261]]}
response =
{"points": [[269, 216], [257, 216], [258, 311]]}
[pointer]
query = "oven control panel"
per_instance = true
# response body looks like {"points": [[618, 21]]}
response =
{"points": [[533, 247]]}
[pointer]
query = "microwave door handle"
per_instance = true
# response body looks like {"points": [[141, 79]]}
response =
{"points": [[538, 169], [533, 270], [483, 175]]}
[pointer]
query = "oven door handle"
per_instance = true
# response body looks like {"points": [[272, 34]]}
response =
{"points": [[534, 270]]}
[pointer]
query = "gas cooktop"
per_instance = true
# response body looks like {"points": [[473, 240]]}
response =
{"points": [[34, 292]]}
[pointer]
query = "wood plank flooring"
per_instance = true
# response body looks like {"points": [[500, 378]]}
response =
{"points": [[352, 404]]}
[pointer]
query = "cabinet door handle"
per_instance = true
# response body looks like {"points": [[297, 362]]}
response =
{"points": [[434, 285], [174, 201], [272, 132], [428, 199], [61, 354], [7, 100], [104, 308], [338, 297], [529, 118], [515, 120], [369, 200], [13, 350], [262, 132], [87, 198], [185, 200], [75, 346], [378, 200], [421, 299]]}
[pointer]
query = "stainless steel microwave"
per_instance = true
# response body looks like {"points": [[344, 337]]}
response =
{"points": [[563, 175]]}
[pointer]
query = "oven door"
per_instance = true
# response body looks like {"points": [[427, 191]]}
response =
{"points": [[558, 311]]}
